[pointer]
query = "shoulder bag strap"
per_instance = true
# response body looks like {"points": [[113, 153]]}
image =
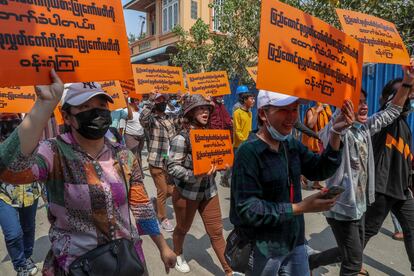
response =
{"points": [[290, 179]]}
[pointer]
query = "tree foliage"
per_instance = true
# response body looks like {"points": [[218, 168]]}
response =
{"points": [[236, 44], [132, 38], [194, 48]]}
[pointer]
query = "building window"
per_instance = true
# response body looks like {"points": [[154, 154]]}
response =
{"points": [[194, 9], [216, 12], [169, 15]]}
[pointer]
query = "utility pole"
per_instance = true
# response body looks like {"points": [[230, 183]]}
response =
{"points": [[142, 25]]}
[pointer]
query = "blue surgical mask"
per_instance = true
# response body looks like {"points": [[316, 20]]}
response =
{"points": [[357, 125], [276, 135], [173, 102]]}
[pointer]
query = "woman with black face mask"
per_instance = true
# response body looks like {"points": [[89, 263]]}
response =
{"points": [[92, 183]]}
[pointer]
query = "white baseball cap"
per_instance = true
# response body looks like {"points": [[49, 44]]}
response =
{"points": [[274, 99], [78, 93]]}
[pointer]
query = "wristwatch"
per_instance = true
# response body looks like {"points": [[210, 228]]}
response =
{"points": [[406, 85]]}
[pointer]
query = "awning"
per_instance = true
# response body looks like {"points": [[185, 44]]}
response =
{"points": [[156, 55], [139, 5]]}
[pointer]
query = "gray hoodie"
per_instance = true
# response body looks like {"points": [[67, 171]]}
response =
{"points": [[351, 204]]}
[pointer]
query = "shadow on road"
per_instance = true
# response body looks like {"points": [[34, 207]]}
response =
{"points": [[196, 249], [325, 240]]}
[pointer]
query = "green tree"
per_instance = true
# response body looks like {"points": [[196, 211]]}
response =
{"points": [[194, 48], [236, 44], [132, 38]]}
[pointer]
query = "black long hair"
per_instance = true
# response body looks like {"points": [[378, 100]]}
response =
{"points": [[389, 91]]}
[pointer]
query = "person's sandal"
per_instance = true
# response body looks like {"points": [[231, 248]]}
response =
{"points": [[364, 272]]}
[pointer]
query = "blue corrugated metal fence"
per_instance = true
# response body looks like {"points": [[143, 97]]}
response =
{"points": [[375, 76]]}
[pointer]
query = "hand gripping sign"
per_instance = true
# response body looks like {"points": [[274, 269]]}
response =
{"points": [[160, 79], [382, 42], [209, 83], [301, 55], [211, 147], [82, 40], [129, 87]]}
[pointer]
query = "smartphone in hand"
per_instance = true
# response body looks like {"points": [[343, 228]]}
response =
{"points": [[333, 192]]}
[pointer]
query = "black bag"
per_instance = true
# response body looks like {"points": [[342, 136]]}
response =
{"points": [[116, 258], [239, 251]]}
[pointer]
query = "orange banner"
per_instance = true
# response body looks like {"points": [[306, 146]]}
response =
{"points": [[382, 42], [129, 86], [252, 72], [209, 83], [82, 40], [114, 89], [211, 147], [17, 99], [155, 78], [303, 56]]}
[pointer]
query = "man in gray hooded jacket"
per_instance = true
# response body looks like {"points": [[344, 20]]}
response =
{"points": [[357, 176]]}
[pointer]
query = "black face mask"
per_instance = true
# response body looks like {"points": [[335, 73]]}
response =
{"points": [[160, 106], [93, 123]]}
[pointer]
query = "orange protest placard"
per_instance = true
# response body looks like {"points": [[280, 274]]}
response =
{"points": [[155, 78], [211, 147], [129, 87], [301, 55], [114, 89], [382, 42], [17, 99], [209, 83], [82, 40], [252, 72]]}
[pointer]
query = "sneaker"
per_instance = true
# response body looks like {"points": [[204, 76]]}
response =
{"points": [[167, 226], [31, 267], [181, 265], [23, 271]]}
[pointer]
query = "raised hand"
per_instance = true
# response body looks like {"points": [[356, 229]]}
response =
{"points": [[50, 93], [409, 73], [346, 118]]}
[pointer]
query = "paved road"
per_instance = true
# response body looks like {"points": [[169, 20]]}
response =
{"points": [[383, 255]]}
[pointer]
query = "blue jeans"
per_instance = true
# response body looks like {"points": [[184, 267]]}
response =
{"points": [[293, 264], [18, 225]]}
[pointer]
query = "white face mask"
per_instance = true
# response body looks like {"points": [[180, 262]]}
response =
{"points": [[276, 135]]}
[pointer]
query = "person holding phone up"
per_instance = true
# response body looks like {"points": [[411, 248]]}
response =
{"points": [[356, 176], [266, 200]]}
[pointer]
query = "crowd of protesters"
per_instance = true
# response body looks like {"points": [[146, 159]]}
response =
{"points": [[90, 173]]}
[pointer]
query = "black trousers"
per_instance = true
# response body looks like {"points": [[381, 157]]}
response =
{"points": [[349, 236], [402, 209]]}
